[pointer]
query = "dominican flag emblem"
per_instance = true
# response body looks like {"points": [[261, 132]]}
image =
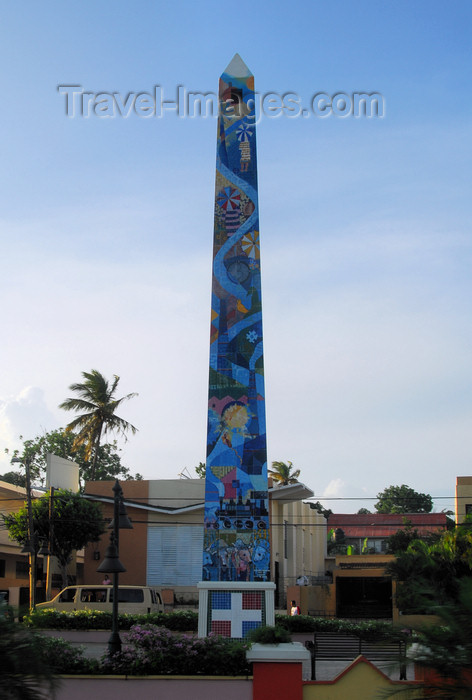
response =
{"points": [[234, 614]]}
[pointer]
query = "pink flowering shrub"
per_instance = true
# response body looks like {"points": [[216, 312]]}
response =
{"points": [[152, 650]]}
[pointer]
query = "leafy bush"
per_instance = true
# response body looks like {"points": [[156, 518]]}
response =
{"points": [[148, 649], [183, 620], [179, 621], [23, 672], [64, 657], [73, 620], [270, 635], [368, 630]]}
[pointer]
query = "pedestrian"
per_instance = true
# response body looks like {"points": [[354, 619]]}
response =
{"points": [[106, 581], [295, 609]]}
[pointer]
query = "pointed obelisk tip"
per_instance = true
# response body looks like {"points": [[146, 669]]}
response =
{"points": [[237, 67]]}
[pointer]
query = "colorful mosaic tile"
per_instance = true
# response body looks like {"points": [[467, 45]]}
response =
{"points": [[236, 541]]}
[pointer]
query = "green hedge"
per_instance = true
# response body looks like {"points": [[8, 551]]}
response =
{"points": [[187, 621], [181, 621], [368, 630]]}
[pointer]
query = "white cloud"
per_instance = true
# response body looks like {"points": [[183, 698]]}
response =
{"points": [[334, 489], [26, 415]]}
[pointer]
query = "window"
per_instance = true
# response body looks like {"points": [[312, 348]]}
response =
{"points": [[68, 595], [174, 555], [2, 568], [93, 595], [376, 545], [468, 508], [128, 595], [22, 569]]}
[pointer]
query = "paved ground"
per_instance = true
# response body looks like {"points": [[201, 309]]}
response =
{"points": [[95, 650]]}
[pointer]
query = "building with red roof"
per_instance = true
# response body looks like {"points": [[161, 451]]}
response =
{"points": [[369, 532]]}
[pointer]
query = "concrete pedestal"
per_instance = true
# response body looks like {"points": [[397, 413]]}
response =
{"points": [[279, 670]]}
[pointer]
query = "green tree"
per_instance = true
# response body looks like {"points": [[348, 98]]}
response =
{"points": [[201, 470], [15, 478], [429, 572], [403, 499], [75, 522], [337, 542], [283, 473], [446, 648], [401, 540], [97, 403], [61, 443], [364, 511], [321, 509]]}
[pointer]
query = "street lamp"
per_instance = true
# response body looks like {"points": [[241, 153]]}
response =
{"points": [[30, 545], [112, 564]]}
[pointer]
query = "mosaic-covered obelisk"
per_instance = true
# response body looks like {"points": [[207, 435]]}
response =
{"points": [[236, 539]]}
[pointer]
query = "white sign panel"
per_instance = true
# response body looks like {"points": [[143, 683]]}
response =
{"points": [[61, 473]]}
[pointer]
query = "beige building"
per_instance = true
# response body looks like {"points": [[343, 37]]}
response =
{"points": [[165, 546], [463, 498], [298, 539], [14, 565]]}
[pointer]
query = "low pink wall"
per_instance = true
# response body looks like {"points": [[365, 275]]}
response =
{"points": [[173, 688]]}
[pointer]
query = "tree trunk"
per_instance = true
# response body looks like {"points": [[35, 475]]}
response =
{"points": [[95, 453], [63, 569]]}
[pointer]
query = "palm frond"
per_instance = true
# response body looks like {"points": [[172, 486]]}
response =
{"points": [[97, 405], [117, 424], [75, 404], [282, 473]]}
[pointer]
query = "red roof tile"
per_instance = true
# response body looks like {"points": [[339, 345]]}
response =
{"points": [[384, 525]]}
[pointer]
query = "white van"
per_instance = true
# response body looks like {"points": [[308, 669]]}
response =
{"points": [[132, 599]]}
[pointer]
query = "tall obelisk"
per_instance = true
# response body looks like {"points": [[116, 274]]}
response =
{"points": [[236, 540]]}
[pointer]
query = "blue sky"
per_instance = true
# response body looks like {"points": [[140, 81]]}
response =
{"points": [[106, 232]]}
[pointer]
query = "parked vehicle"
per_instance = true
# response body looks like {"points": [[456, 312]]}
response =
{"points": [[131, 599]]}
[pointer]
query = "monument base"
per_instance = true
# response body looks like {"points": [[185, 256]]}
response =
{"points": [[234, 608]]}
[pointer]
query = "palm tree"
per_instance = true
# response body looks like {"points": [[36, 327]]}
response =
{"points": [[282, 473], [96, 398], [445, 650], [24, 672]]}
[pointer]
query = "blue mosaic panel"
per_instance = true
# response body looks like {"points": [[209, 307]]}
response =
{"points": [[221, 600], [236, 541]]}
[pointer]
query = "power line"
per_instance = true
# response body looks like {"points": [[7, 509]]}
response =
{"points": [[196, 501], [301, 523]]}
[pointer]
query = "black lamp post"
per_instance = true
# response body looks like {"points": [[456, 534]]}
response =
{"points": [[112, 564]]}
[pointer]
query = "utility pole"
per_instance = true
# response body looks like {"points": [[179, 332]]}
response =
{"points": [[30, 546], [51, 544], [32, 537]]}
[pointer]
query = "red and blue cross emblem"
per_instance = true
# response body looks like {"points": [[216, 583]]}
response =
{"points": [[234, 613]]}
